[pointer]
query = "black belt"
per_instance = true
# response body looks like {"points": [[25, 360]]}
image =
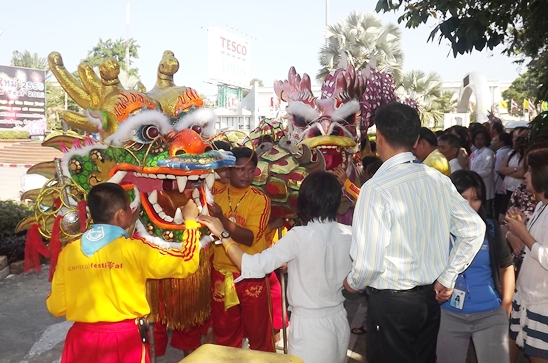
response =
{"points": [[372, 290]]}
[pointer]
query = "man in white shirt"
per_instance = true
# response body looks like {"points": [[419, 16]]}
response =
{"points": [[403, 221], [503, 145], [449, 145]]}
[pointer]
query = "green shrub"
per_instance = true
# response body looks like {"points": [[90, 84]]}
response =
{"points": [[13, 247], [14, 134], [11, 213]]}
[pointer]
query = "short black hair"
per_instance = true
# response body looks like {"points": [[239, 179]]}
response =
{"points": [[505, 138], [463, 136], [537, 160], [368, 160], [245, 152], [399, 124], [319, 197], [104, 200], [221, 145], [426, 134], [497, 127], [466, 179], [375, 165], [451, 139], [483, 132]]}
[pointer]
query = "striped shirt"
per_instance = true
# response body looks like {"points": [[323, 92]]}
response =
{"points": [[401, 228]]}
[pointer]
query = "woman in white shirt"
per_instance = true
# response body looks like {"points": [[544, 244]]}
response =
{"points": [[482, 161]]}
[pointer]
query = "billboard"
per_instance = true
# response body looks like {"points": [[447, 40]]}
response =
{"points": [[23, 99], [229, 58]]}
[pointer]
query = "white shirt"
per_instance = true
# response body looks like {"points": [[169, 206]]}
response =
{"points": [[402, 224], [318, 260], [454, 165], [533, 275], [500, 155], [482, 161], [509, 184]]}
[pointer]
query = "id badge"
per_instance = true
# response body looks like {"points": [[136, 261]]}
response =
{"points": [[457, 299]]}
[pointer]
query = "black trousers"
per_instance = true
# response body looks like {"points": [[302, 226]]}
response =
{"points": [[402, 326]]}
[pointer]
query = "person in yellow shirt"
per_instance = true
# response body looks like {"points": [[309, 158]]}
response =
{"points": [[99, 282], [241, 310], [426, 150]]}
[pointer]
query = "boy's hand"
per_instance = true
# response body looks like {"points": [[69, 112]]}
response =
{"points": [[190, 211]]}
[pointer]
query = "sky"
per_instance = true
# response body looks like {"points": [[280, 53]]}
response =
{"points": [[281, 33]]}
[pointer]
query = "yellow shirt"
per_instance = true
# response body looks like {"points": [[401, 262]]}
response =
{"points": [[437, 161], [110, 286], [251, 209]]}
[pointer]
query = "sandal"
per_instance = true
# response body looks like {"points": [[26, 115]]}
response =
{"points": [[359, 331]]}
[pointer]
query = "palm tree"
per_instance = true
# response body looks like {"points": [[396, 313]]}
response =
{"points": [[28, 60], [425, 89], [361, 36]]}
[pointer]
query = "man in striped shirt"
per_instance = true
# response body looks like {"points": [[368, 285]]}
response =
{"points": [[401, 230]]}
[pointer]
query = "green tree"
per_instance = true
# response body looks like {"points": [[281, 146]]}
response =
{"points": [[28, 60], [447, 102], [522, 88], [520, 25], [360, 37], [245, 92], [425, 89], [115, 49]]}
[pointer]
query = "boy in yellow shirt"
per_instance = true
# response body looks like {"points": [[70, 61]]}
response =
{"points": [[99, 282]]}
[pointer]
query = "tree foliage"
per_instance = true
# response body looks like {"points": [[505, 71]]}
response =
{"points": [[115, 49], [522, 88], [520, 25], [425, 90], [28, 60], [359, 37]]}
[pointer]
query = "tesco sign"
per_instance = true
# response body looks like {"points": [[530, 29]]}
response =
{"points": [[228, 58], [233, 46]]}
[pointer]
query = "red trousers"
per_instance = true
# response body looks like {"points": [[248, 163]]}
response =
{"points": [[104, 342], [190, 339], [251, 318]]}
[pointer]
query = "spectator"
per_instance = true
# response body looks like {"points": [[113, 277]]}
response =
{"points": [[449, 145], [482, 161], [426, 151], [485, 290], [402, 222]]}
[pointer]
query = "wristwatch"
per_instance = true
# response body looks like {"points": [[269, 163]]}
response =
{"points": [[225, 234]]}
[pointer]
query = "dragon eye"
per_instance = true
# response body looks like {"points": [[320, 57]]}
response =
{"points": [[197, 129], [150, 132], [299, 120], [350, 119]]}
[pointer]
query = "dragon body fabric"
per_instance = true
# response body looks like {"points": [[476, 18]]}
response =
{"points": [[155, 145]]}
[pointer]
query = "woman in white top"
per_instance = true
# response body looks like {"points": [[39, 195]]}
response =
{"points": [[318, 260], [529, 317], [512, 166], [482, 161]]}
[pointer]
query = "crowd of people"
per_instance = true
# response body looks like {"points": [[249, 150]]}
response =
{"points": [[448, 243]]}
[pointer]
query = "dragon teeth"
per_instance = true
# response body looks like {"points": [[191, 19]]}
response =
{"points": [[157, 208], [178, 219], [118, 177], [153, 197], [196, 193], [210, 180], [193, 177], [181, 183]]}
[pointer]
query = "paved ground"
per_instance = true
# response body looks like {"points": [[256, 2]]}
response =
{"points": [[29, 334]]}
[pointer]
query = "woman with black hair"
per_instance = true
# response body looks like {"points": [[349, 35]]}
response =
{"points": [[482, 298], [512, 166], [529, 318], [318, 260], [482, 161]]}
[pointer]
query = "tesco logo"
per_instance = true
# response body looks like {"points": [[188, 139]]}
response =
{"points": [[233, 46]]}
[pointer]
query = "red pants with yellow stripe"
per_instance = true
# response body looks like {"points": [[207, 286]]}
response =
{"points": [[252, 318]]}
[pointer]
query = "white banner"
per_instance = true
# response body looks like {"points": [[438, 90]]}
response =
{"points": [[229, 58]]}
